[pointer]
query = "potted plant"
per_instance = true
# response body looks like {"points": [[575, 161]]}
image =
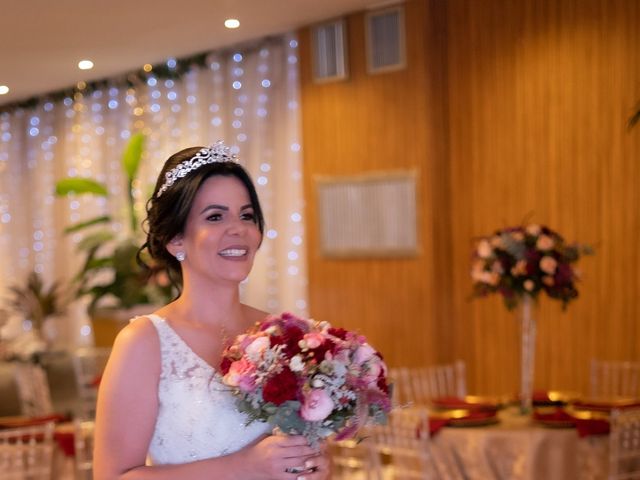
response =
{"points": [[128, 284]]}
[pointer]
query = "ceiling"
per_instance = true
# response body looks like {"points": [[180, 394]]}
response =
{"points": [[42, 41]]}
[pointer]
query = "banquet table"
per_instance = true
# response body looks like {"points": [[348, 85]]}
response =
{"points": [[519, 448]]}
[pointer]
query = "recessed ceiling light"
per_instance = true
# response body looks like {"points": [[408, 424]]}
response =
{"points": [[4, 89], [232, 23], [85, 64]]}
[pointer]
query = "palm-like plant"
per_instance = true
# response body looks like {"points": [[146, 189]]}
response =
{"points": [[35, 301], [131, 283]]}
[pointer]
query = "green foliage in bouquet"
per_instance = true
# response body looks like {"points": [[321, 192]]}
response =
{"points": [[131, 284]]}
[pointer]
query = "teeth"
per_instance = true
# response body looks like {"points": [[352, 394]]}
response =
{"points": [[233, 252]]}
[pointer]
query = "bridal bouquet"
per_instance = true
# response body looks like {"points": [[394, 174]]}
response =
{"points": [[526, 260], [306, 377]]}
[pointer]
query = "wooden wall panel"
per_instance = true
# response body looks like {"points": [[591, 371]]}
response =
{"points": [[372, 123], [509, 111], [539, 93]]}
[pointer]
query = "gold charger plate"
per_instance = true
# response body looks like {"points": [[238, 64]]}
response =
{"points": [[604, 404], [473, 421], [464, 418]]}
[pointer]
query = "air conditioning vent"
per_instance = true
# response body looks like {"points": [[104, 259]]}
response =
{"points": [[385, 40], [330, 51]]}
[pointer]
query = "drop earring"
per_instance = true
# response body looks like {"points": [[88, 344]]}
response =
{"points": [[180, 256]]}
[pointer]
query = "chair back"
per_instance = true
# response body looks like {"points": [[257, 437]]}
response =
{"points": [[351, 459], [401, 448], [614, 378], [419, 385], [624, 444], [83, 442], [27, 452], [88, 365]]}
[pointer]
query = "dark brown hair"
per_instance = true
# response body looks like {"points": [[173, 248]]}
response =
{"points": [[167, 215]]}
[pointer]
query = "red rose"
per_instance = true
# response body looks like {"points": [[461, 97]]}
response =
{"points": [[338, 332], [382, 382], [281, 387], [225, 364], [320, 351]]}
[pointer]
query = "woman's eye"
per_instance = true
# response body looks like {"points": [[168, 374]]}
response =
{"points": [[249, 216], [215, 217]]}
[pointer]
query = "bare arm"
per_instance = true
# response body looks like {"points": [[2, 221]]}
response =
{"points": [[126, 416]]}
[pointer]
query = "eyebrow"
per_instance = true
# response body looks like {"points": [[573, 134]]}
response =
{"points": [[223, 207]]}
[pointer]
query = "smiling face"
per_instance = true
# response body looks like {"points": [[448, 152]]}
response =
{"points": [[221, 235]]}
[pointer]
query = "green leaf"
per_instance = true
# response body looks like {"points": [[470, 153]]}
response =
{"points": [[80, 186], [94, 240], [88, 223], [132, 155]]}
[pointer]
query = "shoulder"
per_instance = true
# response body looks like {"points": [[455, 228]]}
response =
{"points": [[138, 340]]}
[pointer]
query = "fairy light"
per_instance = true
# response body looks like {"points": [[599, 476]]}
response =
{"points": [[231, 94]]}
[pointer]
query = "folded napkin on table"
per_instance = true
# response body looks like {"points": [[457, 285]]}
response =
{"points": [[584, 426]]}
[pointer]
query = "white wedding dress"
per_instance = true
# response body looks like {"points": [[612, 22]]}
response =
{"points": [[197, 417]]}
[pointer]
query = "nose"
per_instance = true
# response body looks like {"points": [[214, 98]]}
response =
{"points": [[237, 227]]}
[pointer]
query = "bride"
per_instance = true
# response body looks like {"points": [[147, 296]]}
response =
{"points": [[162, 411]]}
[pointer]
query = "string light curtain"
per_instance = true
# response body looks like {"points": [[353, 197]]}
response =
{"points": [[248, 97]]}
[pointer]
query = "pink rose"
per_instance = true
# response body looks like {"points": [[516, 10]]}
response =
{"points": [[313, 340], [241, 375], [544, 242], [548, 264], [533, 229], [484, 249], [317, 405], [364, 353]]}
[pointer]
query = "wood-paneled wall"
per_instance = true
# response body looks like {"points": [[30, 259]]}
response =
{"points": [[509, 111]]}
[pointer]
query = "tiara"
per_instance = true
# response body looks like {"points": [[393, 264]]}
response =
{"points": [[218, 152]]}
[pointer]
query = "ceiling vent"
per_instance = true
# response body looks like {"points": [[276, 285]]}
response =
{"points": [[385, 40], [330, 51]]}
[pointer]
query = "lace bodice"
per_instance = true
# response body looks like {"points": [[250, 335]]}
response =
{"points": [[197, 417]]}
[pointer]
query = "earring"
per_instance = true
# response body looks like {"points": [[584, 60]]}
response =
{"points": [[180, 256]]}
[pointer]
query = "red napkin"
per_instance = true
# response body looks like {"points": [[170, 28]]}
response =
{"points": [[66, 442], [435, 424], [96, 381], [585, 427], [558, 415], [592, 426]]}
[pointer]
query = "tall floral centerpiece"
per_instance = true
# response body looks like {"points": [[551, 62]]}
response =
{"points": [[520, 263]]}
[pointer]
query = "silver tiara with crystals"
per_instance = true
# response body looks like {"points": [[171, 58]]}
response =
{"points": [[218, 152]]}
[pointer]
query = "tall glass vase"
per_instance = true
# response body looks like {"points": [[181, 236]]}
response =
{"points": [[526, 313]]}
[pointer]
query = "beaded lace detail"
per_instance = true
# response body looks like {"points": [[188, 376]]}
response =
{"points": [[197, 417]]}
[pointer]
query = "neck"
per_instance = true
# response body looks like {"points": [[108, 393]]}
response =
{"points": [[208, 304]]}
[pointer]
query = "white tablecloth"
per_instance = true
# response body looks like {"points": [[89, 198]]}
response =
{"points": [[518, 449]]}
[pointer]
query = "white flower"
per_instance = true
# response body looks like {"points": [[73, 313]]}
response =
{"points": [[296, 364], [259, 345]]}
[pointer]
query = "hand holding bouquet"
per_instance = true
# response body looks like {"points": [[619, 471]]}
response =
{"points": [[306, 377]]}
